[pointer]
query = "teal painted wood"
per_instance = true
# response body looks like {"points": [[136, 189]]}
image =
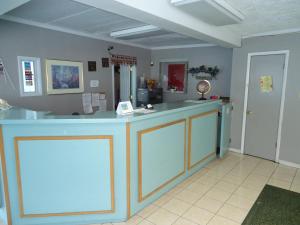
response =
{"points": [[28, 123], [203, 137], [139, 125], [63, 176], [162, 156], [225, 129], [85, 158]]}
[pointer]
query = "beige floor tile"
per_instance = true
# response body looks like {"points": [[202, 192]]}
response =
{"points": [[182, 221], [256, 185], [209, 204], [218, 194], [233, 213], [188, 196], [225, 186], [233, 179], [132, 221], [258, 178], [283, 176], [177, 206], [163, 200], [208, 180], [219, 220], [148, 211], [162, 217], [197, 215], [146, 222], [247, 193], [296, 180], [280, 183], [198, 188], [240, 202], [185, 183], [295, 187], [175, 190]]}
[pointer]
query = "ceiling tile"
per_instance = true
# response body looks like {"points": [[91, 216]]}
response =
{"points": [[97, 21], [45, 11]]}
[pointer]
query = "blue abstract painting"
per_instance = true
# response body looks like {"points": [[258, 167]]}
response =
{"points": [[65, 77]]}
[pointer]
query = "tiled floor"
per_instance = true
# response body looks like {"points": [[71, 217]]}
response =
{"points": [[220, 194]]}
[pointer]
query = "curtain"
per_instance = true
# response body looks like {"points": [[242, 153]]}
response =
{"points": [[133, 85], [124, 82]]}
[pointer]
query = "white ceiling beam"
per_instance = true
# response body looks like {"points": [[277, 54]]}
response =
{"points": [[162, 14], [7, 5]]}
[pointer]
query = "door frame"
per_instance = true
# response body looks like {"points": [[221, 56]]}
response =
{"points": [[113, 85], [282, 101]]}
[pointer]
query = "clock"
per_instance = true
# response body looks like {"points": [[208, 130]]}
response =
{"points": [[203, 87]]}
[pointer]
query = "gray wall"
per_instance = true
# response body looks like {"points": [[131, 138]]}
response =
{"points": [[212, 56], [291, 124], [23, 40]]}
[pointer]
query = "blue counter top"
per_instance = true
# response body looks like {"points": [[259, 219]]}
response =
{"points": [[25, 116]]}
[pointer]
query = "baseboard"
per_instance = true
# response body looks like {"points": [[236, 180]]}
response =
{"points": [[235, 150], [286, 163]]}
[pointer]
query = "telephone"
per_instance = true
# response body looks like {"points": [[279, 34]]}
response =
{"points": [[4, 105]]}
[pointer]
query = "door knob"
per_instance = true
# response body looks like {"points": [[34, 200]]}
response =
{"points": [[249, 112]]}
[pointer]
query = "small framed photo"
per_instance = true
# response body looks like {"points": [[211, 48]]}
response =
{"points": [[30, 80], [64, 77], [92, 66], [105, 62]]}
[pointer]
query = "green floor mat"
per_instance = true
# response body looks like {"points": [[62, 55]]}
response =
{"points": [[275, 206]]}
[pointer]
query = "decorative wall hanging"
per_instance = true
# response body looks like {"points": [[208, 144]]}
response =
{"points": [[30, 76], [105, 62], [64, 77], [173, 76], [92, 66], [123, 59], [204, 72], [4, 74]]}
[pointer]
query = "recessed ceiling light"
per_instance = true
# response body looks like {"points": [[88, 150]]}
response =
{"points": [[134, 31]]}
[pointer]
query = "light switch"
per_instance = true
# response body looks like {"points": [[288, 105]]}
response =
{"points": [[94, 83]]}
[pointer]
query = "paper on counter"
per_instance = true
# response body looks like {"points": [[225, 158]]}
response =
{"points": [[87, 102], [95, 99]]}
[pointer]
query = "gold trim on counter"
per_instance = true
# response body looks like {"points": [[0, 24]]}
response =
{"points": [[190, 138], [36, 138], [5, 180], [140, 175]]}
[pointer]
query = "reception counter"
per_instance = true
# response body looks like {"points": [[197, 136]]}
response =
{"points": [[99, 168]]}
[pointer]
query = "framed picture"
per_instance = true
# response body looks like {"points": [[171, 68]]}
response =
{"points": [[30, 76], [173, 76], [105, 62], [92, 66], [64, 77]]}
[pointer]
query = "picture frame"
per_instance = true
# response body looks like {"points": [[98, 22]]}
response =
{"points": [[92, 66], [30, 78], [64, 77]]}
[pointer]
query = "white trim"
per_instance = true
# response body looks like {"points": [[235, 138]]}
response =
{"points": [[235, 150], [270, 33], [286, 163], [183, 46], [69, 31], [282, 101]]}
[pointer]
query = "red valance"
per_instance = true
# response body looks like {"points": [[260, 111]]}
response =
{"points": [[122, 59]]}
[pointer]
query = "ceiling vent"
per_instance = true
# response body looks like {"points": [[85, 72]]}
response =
{"points": [[214, 12]]}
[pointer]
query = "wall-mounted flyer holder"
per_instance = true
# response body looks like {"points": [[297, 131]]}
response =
{"points": [[124, 108]]}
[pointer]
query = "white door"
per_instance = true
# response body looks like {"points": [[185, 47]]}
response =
{"points": [[263, 107]]}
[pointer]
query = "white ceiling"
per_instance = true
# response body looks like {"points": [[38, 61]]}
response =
{"points": [[82, 18], [261, 16]]}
